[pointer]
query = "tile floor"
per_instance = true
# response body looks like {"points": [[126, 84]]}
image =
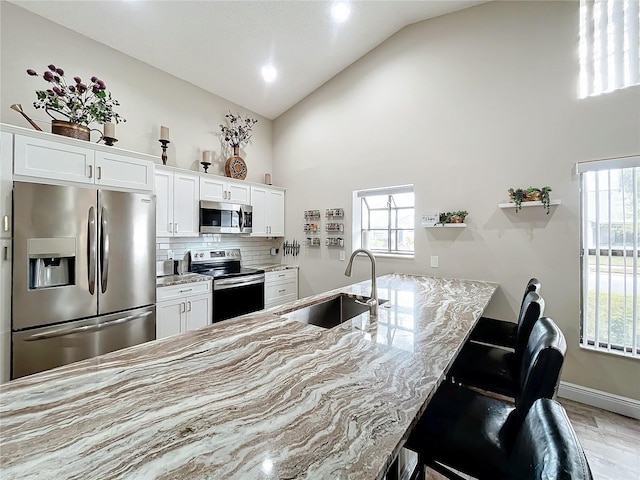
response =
{"points": [[611, 442]]}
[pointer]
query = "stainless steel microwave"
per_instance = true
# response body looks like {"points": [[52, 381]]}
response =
{"points": [[217, 217]]}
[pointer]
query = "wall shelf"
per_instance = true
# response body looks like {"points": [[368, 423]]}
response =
{"points": [[446, 225], [528, 204]]}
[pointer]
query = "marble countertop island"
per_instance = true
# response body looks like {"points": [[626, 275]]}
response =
{"points": [[257, 397]]}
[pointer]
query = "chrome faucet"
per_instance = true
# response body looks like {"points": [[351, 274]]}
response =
{"points": [[373, 301]]}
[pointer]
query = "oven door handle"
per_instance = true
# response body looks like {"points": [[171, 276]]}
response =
{"points": [[227, 283]]}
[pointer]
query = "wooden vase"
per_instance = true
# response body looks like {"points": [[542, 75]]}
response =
{"points": [[235, 167], [68, 129]]}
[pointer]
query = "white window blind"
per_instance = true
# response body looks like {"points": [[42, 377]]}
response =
{"points": [[609, 45], [610, 237]]}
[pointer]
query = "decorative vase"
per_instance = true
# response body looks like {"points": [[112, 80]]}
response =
{"points": [[69, 129], [457, 219], [236, 166]]}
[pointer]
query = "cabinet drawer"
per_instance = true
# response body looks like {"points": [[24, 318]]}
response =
{"points": [[280, 276], [280, 290], [184, 290]]}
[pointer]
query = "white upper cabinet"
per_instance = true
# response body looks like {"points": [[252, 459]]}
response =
{"points": [[68, 162], [268, 212], [116, 170], [177, 203], [219, 189], [6, 161]]}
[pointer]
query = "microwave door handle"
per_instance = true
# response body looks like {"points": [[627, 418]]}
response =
{"points": [[92, 250], [241, 219], [104, 250]]}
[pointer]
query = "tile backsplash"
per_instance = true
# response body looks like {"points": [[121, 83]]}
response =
{"points": [[255, 251]]}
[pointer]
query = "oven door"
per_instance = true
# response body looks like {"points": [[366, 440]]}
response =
{"points": [[237, 295]]}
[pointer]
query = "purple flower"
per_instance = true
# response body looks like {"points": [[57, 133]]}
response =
{"points": [[57, 90], [32, 73], [48, 76], [81, 87], [101, 85], [94, 79], [95, 89], [72, 88], [52, 67], [56, 78], [50, 93], [77, 79], [60, 72]]}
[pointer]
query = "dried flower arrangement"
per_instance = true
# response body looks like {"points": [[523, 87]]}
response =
{"points": [[77, 102], [237, 132]]}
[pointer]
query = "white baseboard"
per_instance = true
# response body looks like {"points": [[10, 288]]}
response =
{"points": [[596, 398]]}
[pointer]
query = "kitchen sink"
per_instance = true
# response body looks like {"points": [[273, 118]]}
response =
{"points": [[332, 312]]}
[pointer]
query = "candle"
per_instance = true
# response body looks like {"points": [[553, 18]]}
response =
{"points": [[267, 178], [110, 130], [206, 156], [164, 133]]}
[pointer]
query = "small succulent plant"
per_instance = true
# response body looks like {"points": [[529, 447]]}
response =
{"points": [[77, 102]]}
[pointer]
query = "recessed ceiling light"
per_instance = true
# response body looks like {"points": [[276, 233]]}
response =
{"points": [[269, 73], [340, 11]]}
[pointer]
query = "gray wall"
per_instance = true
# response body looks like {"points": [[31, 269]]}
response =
{"points": [[465, 106]]}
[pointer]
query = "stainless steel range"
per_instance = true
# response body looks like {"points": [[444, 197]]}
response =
{"points": [[236, 289]]}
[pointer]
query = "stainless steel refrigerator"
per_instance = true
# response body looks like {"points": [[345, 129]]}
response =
{"points": [[83, 274]]}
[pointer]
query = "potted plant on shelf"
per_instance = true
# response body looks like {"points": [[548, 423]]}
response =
{"points": [[531, 194], [236, 133], [453, 217], [79, 104]]}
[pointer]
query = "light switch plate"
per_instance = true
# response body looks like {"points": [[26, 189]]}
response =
{"points": [[342, 257], [434, 261]]}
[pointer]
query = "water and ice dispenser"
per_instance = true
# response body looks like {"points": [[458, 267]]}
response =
{"points": [[51, 262]]}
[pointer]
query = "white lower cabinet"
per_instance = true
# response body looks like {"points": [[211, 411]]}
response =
{"points": [[280, 287], [183, 307]]}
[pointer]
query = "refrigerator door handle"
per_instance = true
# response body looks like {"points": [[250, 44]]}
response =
{"points": [[104, 250], [61, 332], [92, 250]]}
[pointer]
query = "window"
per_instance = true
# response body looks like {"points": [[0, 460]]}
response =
{"points": [[609, 45], [610, 232], [384, 219]]}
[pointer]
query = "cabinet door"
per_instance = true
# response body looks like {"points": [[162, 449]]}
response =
{"points": [[186, 207], [169, 317], [213, 189], [164, 203], [259, 204], [199, 312], [114, 170], [6, 162], [5, 309], [239, 193], [275, 213], [45, 159]]}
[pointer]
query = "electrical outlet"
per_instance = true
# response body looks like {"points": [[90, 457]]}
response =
{"points": [[342, 257], [434, 261], [170, 254]]}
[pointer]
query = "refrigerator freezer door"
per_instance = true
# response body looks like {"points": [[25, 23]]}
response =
{"points": [[126, 251], [51, 228], [44, 348]]}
